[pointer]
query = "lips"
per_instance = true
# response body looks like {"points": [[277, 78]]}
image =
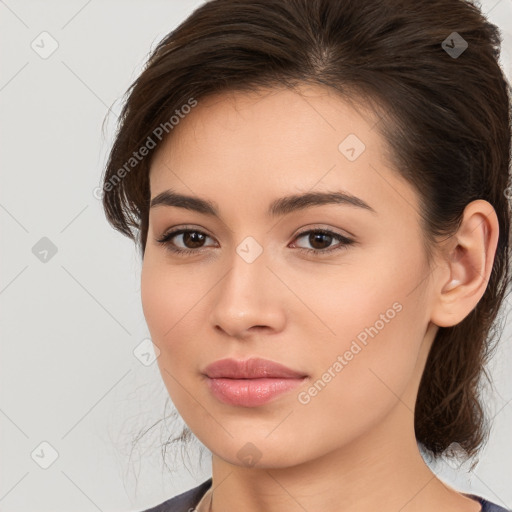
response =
{"points": [[250, 383], [254, 368]]}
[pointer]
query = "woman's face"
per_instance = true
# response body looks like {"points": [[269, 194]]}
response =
{"points": [[350, 316]]}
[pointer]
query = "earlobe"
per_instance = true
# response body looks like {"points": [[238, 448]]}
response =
{"points": [[466, 266]]}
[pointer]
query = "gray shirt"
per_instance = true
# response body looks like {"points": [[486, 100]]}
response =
{"points": [[187, 501]]}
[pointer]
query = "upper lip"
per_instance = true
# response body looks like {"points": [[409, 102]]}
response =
{"points": [[254, 368]]}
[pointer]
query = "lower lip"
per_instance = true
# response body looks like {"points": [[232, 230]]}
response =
{"points": [[251, 392]]}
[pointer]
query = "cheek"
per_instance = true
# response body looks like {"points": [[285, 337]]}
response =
{"points": [[375, 300], [170, 295], [157, 306], [167, 304], [376, 327], [173, 302], [357, 383]]}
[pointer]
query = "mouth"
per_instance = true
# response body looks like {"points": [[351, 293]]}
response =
{"points": [[254, 368], [251, 392], [252, 382]]}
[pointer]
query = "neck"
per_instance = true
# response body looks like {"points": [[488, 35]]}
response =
{"points": [[382, 470]]}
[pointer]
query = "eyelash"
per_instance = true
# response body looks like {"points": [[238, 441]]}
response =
{"points": [[165, 240]]}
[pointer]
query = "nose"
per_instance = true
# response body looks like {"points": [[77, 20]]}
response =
{"points": [[248, 299]]}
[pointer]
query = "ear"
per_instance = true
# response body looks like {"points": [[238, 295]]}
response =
{"points": [[466, 265]]}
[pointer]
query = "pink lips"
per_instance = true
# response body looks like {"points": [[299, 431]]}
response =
{"points": [[251, 382]]}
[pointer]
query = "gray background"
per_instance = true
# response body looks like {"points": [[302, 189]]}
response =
{"points": [[71, 319]]}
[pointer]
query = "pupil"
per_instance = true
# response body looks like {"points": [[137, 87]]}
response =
{"points": [[199, 238], [314, 238]]}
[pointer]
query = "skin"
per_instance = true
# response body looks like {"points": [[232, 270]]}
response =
{"points": [[352, 446]]}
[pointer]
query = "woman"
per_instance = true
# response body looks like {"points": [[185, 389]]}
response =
{"points": [[315, 372]]}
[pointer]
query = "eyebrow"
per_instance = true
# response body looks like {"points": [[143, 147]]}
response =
{"points": [[279, 207]]}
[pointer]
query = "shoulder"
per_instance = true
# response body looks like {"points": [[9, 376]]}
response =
{"points": [[488, 506], [186, 501]]}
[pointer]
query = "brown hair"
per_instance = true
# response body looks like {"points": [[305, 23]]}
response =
{"points": [[444, 114]]}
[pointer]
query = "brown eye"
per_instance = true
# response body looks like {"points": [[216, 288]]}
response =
{"points": [[192, 239], [321, 239]]}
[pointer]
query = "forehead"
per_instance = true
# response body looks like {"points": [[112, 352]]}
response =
{"points": [[284, 120], [274, 142]]}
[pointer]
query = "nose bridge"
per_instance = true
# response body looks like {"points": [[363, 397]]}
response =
{"points": [[245, 297]]}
